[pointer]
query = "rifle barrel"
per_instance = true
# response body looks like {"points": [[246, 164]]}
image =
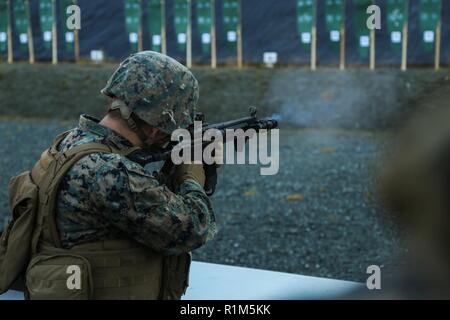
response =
{"points": [[144, 157]]}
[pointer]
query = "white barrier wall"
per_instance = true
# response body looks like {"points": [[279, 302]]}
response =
{"points": [[220, 282]]}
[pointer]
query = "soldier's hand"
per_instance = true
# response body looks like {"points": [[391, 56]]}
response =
{"points": [[194, 172], [218, 155]]}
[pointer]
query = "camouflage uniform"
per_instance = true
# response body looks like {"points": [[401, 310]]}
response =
{"points": [[107, 196], [85, 204]]}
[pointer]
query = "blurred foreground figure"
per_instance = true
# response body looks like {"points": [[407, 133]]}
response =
{"points": [[89, 223], [415, 188]]}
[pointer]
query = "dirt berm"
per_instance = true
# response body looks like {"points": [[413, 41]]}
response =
{"points": [[351, 99]]}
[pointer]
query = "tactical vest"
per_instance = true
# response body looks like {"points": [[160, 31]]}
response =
{"points": [[112, 269]]}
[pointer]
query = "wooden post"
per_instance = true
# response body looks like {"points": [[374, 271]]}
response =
{"points": [[437, 55], [9, 31], [30, 33], [372, 47], [140, 32], [163, 28], [314, 38], [76, 41], [54, 34], [342, 38], [140, 40], [405, 38], [189, 35], [239, 37], [213, 35], [437, 51]]}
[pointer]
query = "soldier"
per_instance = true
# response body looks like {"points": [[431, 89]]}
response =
{"points": [[128, 233], [414, 187]]}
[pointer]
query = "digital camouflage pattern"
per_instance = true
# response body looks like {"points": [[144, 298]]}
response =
{"points": [[158, 89], [106, 196]]}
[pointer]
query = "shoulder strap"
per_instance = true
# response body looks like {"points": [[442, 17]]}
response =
{"points": [[48, 174]]}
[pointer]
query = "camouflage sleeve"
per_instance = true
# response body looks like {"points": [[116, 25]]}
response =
{"points": [[136, 203]]}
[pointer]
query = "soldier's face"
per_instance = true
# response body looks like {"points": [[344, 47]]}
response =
{"points": [[161, 139], [156, 137]]}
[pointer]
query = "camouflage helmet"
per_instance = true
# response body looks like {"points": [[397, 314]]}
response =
{"points": [[156, 88]]}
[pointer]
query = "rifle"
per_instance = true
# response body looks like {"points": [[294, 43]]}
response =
{"points": [[146, 156]]}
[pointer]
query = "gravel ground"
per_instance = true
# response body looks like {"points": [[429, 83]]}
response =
{"points": [[316, 217]]}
